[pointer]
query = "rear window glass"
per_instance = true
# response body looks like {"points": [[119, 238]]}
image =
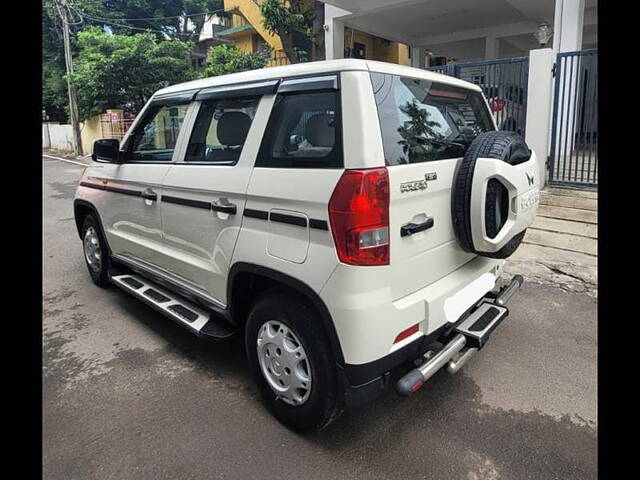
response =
{"points": [[303, 132], [423, 121]]}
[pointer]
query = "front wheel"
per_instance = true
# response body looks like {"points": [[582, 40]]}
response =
{"points": [[96, 254], [291, 361]]}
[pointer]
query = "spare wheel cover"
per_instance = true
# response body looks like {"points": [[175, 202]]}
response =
{"points": [[508, 147]]}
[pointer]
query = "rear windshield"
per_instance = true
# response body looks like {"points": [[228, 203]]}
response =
{"points": [[423, 121]]}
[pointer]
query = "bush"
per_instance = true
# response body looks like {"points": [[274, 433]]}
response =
{"points": [[225, 59]]}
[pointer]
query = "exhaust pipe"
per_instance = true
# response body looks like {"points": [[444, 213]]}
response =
{"points": [[507, 293], [413, 380]]}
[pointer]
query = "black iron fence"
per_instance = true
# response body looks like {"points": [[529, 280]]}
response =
{"points": [[574, 138], [504, 84]]}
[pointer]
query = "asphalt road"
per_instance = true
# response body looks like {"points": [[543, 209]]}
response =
{"points": [[128, 394]]}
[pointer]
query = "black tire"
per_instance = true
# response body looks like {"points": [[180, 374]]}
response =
{"points": [[508, 147], [325, 401], [100, 275]]}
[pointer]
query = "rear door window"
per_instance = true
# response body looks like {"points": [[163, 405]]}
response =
{"points": [[303, 132], [220, 131], [423, 121]]}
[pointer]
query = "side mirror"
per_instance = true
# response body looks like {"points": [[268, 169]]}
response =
{"points": [[106, 150]]}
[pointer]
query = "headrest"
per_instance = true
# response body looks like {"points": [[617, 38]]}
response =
{"points": [[233, 128], [318, 131]]}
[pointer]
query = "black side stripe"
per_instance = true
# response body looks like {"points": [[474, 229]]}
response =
{"points": [[259, 214], [318, 224], [284, 218], [290, 219], [124, 191], [187, 202], [248, 212]]}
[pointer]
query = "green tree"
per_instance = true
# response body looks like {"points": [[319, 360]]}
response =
{"points": [[285, 18], [132, 15], [181, 19], [120, 71], [223, 59], [54, 87]]}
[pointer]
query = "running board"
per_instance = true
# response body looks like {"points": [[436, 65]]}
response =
{"points": [[182, 311], [478, 326]]}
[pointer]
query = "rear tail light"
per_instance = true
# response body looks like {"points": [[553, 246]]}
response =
{"points": [[497, 105], [359, 217]]}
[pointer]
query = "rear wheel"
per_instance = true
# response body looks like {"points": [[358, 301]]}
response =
{"points": [[95, 251], [291, 362]]}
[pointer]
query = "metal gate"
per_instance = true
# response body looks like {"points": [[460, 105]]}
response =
{"points": [[574, 136], [504, 83]]}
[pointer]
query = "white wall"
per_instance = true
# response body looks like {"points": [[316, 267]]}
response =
{"points": [[540, 91], [334, 32], [58, 137]]}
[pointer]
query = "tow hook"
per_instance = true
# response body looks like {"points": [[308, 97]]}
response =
{"points": [[472, 333]]}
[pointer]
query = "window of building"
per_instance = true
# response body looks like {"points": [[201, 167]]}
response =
{"points": [[303, 132], [220, 131]]}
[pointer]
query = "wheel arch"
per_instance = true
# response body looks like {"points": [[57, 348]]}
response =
{"points": [[82, 208], [247, 280]]}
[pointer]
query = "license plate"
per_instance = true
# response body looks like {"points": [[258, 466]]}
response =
{"points": [[457, 304]]}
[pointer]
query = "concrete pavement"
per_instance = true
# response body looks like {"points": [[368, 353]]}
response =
{"points": [[128, 394]]}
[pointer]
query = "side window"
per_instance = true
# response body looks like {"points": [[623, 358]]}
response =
{"points": [[304, 131], [155, 138], [220, 131]]}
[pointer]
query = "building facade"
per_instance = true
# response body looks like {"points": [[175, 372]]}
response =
{"points": [[450, 31], [246, 31]]}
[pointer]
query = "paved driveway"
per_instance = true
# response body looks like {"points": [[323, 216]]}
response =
{"points": [[128, 394]]}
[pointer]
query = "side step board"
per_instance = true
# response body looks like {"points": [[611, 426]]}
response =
{"points": [[182, 311]]}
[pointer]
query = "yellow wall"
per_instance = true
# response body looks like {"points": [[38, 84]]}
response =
{"points": [[251, 12], [376, 48], [90, 130], [244, 42], [238, 20]]}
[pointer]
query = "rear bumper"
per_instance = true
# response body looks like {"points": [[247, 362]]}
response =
{"points": [[468, 336], [364, 382], [367, 318], [451, 345]]}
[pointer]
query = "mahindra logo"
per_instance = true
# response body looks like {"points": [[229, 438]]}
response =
{"points": [[530, 179]]}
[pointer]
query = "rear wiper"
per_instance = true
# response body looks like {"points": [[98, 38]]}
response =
{"points": [[448, 143]]}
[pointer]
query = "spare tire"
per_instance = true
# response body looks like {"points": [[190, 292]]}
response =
{"points": [[508, 147]]}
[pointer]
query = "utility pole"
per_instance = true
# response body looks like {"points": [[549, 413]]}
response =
{"points": [[73, 105]]}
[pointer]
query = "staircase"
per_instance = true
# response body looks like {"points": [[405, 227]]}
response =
{"points": [[561, 247]]}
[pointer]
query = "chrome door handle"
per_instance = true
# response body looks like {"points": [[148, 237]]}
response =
{"points": [[224, 206], [149, 194]]}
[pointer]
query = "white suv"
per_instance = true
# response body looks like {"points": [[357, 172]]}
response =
{"points": [[344, 217]]}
